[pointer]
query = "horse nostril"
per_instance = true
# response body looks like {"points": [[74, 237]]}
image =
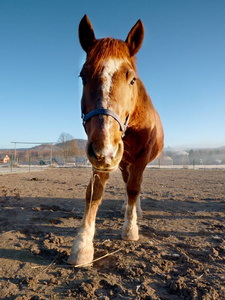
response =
{"points": [[97, 155], [91, 151], [100, 157], [104, 159]]}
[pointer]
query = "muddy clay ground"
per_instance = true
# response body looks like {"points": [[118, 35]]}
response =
{"points": [[180, 254]]}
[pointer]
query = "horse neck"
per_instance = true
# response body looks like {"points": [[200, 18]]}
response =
{"points": [[143, 114], [146, 123]]}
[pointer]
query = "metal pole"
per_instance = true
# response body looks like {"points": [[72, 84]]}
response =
{"points": [[11, 162], [51, 156], [15, 153], [29, 162]]}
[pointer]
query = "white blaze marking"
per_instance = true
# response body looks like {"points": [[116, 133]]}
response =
{"points": [[110, 67]]}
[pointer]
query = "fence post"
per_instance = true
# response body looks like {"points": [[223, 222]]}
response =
{"points": [[29, 162], [11, 162]]}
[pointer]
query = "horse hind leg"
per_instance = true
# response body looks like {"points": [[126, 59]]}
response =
{"points": [[130, 230], [127, 175], [130, 227], [138, 206]]}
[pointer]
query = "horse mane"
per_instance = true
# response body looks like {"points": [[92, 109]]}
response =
{"points": [[108, 48]]}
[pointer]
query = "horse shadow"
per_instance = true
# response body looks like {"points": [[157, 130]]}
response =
{"points": [[49, 225]]}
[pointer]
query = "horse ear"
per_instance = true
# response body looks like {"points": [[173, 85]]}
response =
{"points": [[135, 38], [86, 33]]}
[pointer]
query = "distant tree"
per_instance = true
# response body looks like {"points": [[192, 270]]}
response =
{"points": [[64, 139], [191, 157], [73, 150], [80, 154], [195, 157]]}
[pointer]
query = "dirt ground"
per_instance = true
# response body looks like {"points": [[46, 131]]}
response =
{"points": [[180, 254]]}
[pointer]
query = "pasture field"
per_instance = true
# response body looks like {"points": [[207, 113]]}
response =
{"points": [[180, 253]]}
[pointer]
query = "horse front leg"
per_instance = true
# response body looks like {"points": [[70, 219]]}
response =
{"points": [[133, 186], [82, 251]]}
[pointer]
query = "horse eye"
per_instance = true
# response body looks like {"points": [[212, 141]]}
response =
{"points": [[133, 81], [83, 77]]}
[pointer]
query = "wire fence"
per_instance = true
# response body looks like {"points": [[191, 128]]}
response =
{"points": [[33, 165], [29, 163]]}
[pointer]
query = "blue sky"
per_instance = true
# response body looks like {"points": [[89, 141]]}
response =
{"points": [[181, 62]]}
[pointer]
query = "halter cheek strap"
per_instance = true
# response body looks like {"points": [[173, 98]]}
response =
{"points": [[108, 112]]}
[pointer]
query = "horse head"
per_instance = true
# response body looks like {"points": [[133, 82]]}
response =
{"points": [[109, 92]]}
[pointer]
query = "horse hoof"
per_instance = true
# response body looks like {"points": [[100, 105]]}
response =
{"points": [[81, 256], [130, 238], [81, 259], [130, 235], [72, 259]]}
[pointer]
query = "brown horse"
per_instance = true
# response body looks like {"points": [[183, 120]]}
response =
{"points": [[123, 128]]}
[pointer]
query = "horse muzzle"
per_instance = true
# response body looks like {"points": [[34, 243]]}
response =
{"points": [[105, 160]]}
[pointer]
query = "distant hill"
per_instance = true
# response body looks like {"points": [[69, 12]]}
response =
{"points": [[81, 144], [45, 147], [45, 151]]}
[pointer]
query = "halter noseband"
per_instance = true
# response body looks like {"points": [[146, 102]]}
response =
{"points": [[108, 112]]}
